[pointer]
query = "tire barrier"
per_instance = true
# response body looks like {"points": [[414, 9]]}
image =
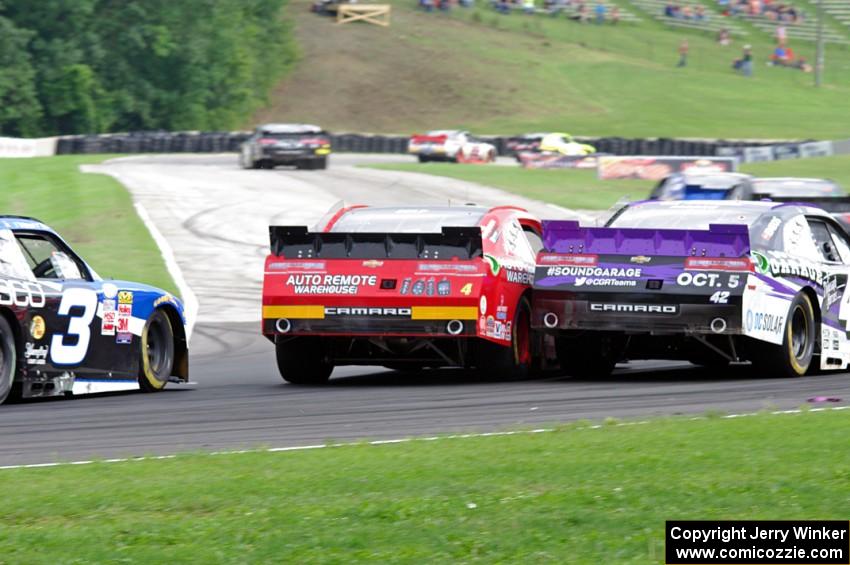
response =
{"points": [[221, 142]]}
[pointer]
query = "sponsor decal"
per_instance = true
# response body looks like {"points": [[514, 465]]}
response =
{"points": [[641, 259], [584, 281], [519, 276], [302, 265], [831, 292], [491, 325], [495, 267], [482, 305], [502, 312], [164, 299], [35, 355], [429, 287], [122, 322], [21, 293], [599, 272], [405, 285], [485, 231], [707, 279], [109, 320], [444, 287], [770, 230], [125, 297], [762, 263], [635, 308], [364, 311], [37, 327], [373, 263], [109, 290], [794, 267], [330, 284], [508, 330], [419, 287], [765, 322]]}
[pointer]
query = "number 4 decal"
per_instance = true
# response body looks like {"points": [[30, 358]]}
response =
{"points": [[79, 326], [720, 297], [467, 289]]}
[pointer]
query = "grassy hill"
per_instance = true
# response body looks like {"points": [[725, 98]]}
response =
{"points": [[504, 74]]}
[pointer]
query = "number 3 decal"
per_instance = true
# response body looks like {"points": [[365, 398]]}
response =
{"points": [[62, 353]]}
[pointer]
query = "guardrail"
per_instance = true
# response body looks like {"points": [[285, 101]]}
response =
{"points": [[219, 142]]}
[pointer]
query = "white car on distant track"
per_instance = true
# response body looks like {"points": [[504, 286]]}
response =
{"points": [[451, 145]]}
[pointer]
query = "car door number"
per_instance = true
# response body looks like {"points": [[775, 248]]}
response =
{"points": [[79, 326]]}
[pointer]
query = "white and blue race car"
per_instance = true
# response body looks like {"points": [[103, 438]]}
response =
{"points": [[65, 330]]}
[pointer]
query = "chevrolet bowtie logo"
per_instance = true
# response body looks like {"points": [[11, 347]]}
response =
{"points": [[641, 259]]}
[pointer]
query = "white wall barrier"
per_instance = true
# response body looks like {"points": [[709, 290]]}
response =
{"points": [[16, 147]]}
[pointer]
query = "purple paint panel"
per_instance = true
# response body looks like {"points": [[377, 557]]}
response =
{"points": [[720, 240]]}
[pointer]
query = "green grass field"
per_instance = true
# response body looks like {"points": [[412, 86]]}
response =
{"points": [[577, 495], [580, 189], [509, 74], [93, 213]]}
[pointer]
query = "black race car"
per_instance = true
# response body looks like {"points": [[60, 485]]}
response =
{"points": [[64, 330], [302, 145], [822, 193]]}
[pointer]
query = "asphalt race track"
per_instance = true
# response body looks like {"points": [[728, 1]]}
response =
{"points": [[215, 216]]}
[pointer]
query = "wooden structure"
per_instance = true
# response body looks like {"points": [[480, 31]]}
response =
{"points": [[378, 14]]}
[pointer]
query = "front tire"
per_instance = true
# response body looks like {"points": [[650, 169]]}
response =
{"points": [[8, 359], [302, 361], [793, 357], [157, 352]]}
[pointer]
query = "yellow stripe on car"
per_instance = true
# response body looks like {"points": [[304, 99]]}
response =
{"points": [[294, 312], [444, 313]]}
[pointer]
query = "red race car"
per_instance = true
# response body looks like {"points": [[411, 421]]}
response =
{"points": [[405, 288]]}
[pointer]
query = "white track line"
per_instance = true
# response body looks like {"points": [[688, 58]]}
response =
{"points": [[406, 440], [190, 301]]}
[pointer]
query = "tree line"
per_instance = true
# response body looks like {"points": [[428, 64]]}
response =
{"points": [[90, 66]]}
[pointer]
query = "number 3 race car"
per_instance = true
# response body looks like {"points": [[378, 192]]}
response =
{"points": [[64, 330], [403, 288], [706, 282]]}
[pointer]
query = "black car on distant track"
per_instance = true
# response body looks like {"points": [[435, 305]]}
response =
{"points": [[301, 145]]}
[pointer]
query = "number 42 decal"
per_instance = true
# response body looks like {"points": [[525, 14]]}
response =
{"points": [[720, 297], [79, 325]]}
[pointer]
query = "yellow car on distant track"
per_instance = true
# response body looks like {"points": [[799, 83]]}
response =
{"points": [[564, 144]]}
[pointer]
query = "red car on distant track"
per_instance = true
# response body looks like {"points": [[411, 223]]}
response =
{"points": [[403, 287]]}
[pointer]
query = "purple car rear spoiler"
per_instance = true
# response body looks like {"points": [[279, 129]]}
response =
{"points": [[719, 240]]}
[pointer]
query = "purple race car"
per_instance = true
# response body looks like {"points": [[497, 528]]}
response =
{"points": [[708, 282]]}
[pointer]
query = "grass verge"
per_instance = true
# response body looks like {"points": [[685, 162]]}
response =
{"points": [[581, 189], [93, 213], [578, 495]]}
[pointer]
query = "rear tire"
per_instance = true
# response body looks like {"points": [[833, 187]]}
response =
{"points": [[423, 158], [321, 164], [8, 359], [157, 352], [793, 357], [514, 361], [302, 361], [590, 356]]}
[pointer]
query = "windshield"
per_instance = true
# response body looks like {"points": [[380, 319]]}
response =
{"points": [[685, 216], [797, 187], [407, 220]]}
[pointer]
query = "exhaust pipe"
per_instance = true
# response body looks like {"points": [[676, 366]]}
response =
{"points": [[718, 325], [454, 327], [283, 325], [550, 320]]}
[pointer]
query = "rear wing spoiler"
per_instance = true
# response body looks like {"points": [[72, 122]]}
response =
{"points": [[720, 240], [297, 242]]}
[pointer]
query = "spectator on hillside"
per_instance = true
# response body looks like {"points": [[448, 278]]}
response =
{"points": [[723, 37], [671, 10], [503, 7], [699, 14], [781, 34], [615, 15], [686, 13], [427, 5], [683, 53], [744, 65], [528, 6], [599, 10]]}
